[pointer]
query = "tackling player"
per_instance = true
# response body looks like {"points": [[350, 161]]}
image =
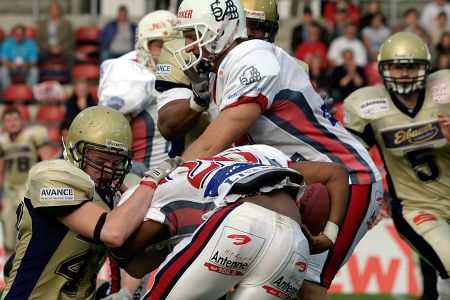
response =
{"points": [[223, 183], [260, 95], [407, 119], [20, 148], [65, 220]]}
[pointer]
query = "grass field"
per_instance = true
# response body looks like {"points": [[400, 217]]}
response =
{"points": [[372, 297]]}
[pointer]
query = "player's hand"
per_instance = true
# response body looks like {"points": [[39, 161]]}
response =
{"points": [[153, 176], [385, 212], [120, 295], [200, 88], [444, 123], [318, 243]]}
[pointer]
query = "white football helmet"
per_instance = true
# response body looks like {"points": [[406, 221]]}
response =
{"points": [[217, 23], [157, 25]]}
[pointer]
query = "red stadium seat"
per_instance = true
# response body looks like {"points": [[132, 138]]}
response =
{"points": [[21, 93], [87, 35], [88, 54], [90, 72], [2, 34], [373, 77], [54, 134], [50, 114]]}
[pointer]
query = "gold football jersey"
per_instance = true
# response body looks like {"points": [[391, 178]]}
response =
{"points": [[167, 68], [52, 261], [22, 153], [416, 154]]}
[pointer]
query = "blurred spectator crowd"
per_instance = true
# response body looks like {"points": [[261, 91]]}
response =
{"points": [[341, 47]]}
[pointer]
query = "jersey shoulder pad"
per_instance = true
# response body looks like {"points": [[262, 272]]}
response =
{"points": [[368, 100], [58, 183], [438, 87], [167, 68], [439, 76]]}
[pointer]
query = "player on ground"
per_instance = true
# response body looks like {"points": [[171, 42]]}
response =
{"points": [[407, 119], [260, 95], [65, 220], [20, 148], [224, 182]]}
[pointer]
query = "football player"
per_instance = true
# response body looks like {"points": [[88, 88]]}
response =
{"points": [[20, 148], [181, 110], [127, 84], [262, 96], [407, 119], [66, 218], [215, 188]]}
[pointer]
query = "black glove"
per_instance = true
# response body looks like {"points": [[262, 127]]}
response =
{"points": [[200, 89]]}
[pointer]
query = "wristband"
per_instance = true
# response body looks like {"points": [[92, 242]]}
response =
{"points": [[149, 183], [194, 106], [331, 231]]}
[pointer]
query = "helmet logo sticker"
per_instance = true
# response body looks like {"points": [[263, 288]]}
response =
{"points": [[185, 14], [110, 144], [250, 75], [219, 13]]}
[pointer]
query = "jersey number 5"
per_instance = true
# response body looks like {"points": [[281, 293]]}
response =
{"points": [[424, 158]]}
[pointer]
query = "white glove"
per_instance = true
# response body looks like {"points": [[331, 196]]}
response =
{"points": [[153, 176], [120, 295]]}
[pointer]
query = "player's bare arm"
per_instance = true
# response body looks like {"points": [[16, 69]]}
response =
{"points": [[231, 124], [176, 118], [335, 178], [119, 223]]}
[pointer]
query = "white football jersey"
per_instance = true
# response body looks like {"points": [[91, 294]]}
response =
{"points": [[129, 87], [294, 117], [199, 186]]}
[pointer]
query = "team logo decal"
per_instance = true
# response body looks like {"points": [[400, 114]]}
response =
{"points": [[235, 252], [56, 194], [373, 106], [219, 13], [250, 75], [411, 135], [286, 284], [439, 92]]}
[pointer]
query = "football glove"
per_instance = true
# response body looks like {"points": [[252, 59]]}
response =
{"points": [[200, 89], [153, 176]]}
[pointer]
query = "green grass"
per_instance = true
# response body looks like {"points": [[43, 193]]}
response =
{"points": [[372, 297]]}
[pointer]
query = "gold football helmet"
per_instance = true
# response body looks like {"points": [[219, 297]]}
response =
{"points": [[105, 130], [407, 49], [262, 14]]}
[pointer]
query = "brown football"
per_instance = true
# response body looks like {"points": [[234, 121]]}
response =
{"points": [[315, 207]]}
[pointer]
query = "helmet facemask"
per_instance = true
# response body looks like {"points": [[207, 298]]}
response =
{"points": [[111, 177], [404, 86], [208, 38], [270, 28]]}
